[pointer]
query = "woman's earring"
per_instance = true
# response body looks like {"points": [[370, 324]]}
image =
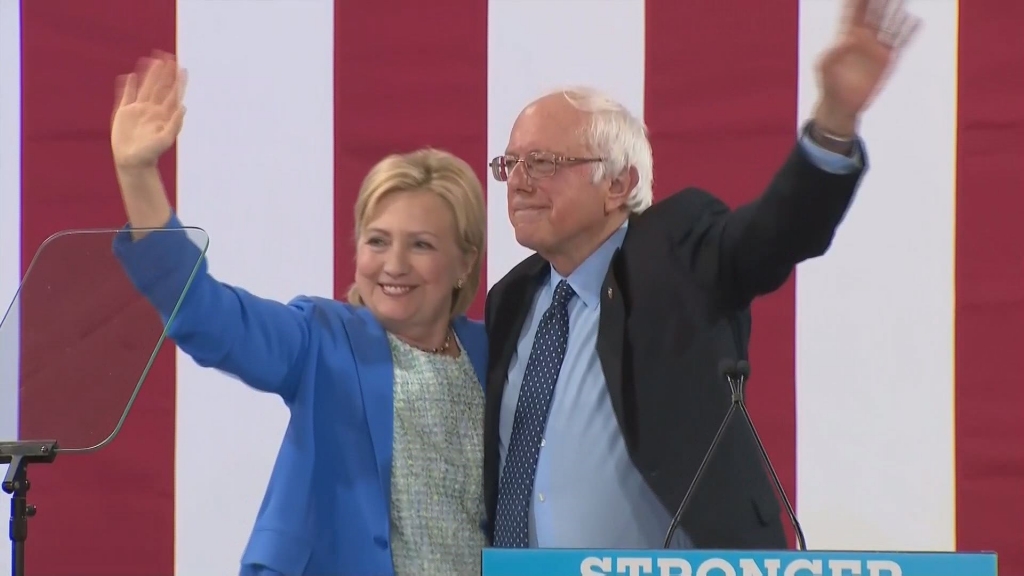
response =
{"points": [[459, 283]]}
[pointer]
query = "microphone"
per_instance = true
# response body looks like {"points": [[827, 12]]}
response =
{"points": [[736, 374]]}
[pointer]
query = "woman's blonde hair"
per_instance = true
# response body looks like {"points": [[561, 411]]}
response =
{"points": [[452, 179]]}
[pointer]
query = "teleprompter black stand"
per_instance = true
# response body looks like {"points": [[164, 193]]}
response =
{"points": [[19, 455], [69, 290], [736, 374]]}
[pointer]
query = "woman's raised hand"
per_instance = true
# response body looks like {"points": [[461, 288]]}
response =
{"points": [[148, 112]]}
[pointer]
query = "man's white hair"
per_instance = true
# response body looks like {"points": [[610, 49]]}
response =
{"points": [[620, 138]]}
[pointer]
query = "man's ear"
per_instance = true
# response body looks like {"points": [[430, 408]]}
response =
{"points": [[620, 188]]}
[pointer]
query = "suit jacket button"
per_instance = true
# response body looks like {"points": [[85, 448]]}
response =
{"points": [[381, 542]]}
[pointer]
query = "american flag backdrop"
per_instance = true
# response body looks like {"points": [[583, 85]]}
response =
{"points": [[883, 379]]}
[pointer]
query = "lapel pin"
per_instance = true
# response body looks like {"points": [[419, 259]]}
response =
{"points": [[609, 293]]}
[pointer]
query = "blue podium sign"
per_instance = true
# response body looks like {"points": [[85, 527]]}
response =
{"points": [[551, 562]]}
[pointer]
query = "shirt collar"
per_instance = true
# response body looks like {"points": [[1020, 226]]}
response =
{"points": [[588, 278]]}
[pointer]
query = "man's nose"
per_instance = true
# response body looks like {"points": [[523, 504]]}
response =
{"points": [[519, 178]]}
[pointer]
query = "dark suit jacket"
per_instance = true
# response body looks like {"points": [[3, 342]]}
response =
{"points": [[675, 303]]}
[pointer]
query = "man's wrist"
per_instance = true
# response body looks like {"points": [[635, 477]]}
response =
{"points": [[834, 121], [838, 143]]}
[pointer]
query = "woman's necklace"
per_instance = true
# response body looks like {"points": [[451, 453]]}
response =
{"points": [[440, 349], [444, 347]]}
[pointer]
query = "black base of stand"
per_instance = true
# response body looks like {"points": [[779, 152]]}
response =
{"points": [[737, 379], [19, 455]]}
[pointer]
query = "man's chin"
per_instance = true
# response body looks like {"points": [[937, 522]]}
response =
{"points": [[528, 237]]}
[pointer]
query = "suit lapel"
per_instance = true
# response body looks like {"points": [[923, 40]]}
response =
{"points": [[376, 381], [511, 312], [610, 336], [512, 304]]}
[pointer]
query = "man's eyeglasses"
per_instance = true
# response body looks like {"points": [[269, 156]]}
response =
{"points": [[538, 164]]}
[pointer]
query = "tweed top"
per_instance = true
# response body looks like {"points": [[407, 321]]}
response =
{"points": [[437, 502]]}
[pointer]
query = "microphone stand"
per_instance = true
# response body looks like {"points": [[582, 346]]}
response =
{"points": [[19, 455], [736, 373]]}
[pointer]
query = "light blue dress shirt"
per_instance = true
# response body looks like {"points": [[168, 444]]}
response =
{"points": [[587, 493]]}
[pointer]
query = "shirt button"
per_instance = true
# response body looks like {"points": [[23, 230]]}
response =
{"points": [[541, 497], [381, 542]]}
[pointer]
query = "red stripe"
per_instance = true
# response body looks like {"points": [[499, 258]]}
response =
{"points": [[721, 93], [420, 80], [990, 282], [84, 332]]}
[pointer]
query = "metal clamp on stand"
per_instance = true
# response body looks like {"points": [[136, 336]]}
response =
{"points": [[19, 455]]}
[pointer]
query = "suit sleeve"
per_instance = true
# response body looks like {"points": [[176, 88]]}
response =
{"points": [[752, 250], [219, 326], [830, 161]]}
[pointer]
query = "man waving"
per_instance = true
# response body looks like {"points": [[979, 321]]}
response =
{"points": [[603, 384]]}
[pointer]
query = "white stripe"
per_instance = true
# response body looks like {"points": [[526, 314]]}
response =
{"points": [[534, 46], [875, 422], [10, 227], [256, 171]]}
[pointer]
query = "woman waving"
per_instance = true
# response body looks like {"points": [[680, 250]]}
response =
{"points": [[380, 468]]}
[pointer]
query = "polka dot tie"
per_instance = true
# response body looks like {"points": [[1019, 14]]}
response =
{"points": [[515, 487]]}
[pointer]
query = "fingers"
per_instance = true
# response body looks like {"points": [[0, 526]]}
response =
{"points": [[176, 93], [855, 13], [887, 20], [166, 81], [165, 84], [897, 26], [125, 87], [890, 25], [125, 90], [158, 77], [907, 31], [173, 127], [875, 13], [148, 70]]}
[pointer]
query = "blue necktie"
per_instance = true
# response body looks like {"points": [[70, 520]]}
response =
{"points": [[515, 487]]}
